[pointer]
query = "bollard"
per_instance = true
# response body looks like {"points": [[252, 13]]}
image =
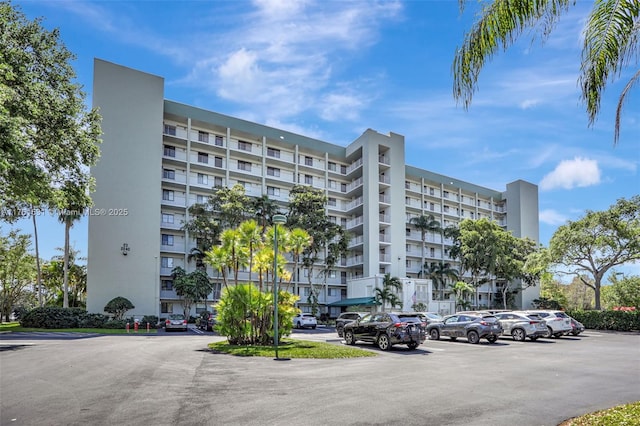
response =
{"points": [[147, 327], [127, 327], [135, 326]]}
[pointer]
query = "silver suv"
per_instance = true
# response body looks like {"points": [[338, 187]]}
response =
{"points": [[520, 325], [558, 323], [473, 327]]}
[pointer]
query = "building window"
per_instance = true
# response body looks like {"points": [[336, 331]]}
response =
{"points": [[169, 174], [308, 161], [217, 162], [244, 146], [343, 277], [445, 194], [343, 222], [432, 252], [332, 202], [273, 191], [203, 157], [446, 209], [167, 240], [407, 232], [432, 206], [169, 130], [343, 187], [169, 151], [203, 136], [167, 218], [332, 166], [407, 263], [167, 195], [217, 181], [407, 184], [308, 179], [218, 141], [244, 165], [333, 184], [333, 291], [166, 307], [306, 291], [273, 171], [200, 199], [203, 179], [332, 274], [273, 152], [167, 285], [166, 262], [343, 169]]}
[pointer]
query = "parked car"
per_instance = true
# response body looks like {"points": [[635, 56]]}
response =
{"points": [[520, 325], [577, 327], [386, 329], [176, 322], [345, 318], [473, 327], [429, 317], [558, 323], [303, 320], [207, 321]]}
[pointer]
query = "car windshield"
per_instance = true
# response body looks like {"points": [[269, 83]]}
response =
{"points": [[176, 317], [534, 317], [409, 318], [561, 315]]}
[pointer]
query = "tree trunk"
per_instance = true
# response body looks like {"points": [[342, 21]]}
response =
{"points": [[65, 267], [38, 268]]}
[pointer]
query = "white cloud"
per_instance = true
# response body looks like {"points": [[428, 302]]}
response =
{"points": [[579, 172], [552, 217]]}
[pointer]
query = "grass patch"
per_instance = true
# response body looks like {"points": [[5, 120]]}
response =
{"points": [[627, 414], [293, 348], [15, 327]]}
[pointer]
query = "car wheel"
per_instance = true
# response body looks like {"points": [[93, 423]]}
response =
{"points": [[383, 342], [340, 331], [492, 339], [549, 332], [412, 345], [453, 338], [533, 338], [298, 324], [313, 327], [557, 335], [434, 334], [518, 335], [473, 337], [348, 338]]}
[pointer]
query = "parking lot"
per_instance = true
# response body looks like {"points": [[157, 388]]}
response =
{"points": [[172, 379]]}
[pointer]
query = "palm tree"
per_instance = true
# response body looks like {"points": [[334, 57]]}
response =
{"points": [[610, 43], [220, 260], [387, 294], [265, 208], [439, 273], [425, 224], [461, 289], [67, 217], [251, 237], [297, 241], [239, 255]]}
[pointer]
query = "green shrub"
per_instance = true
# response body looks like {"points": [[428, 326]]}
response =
{"points": [[92, 320], [52, 317], [118, 306], [608, 320], [151, 319], [115, 324]]}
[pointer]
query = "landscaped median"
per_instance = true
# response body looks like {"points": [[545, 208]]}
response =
{"points": [[627, 414], [292, 348]]}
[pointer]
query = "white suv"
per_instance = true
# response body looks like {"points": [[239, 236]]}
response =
{"points": [[303, 320], [558, 323]]}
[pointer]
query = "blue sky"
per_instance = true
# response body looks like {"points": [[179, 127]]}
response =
{"points": [[332, 69]]}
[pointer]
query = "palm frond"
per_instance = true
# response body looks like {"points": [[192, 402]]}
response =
{"points": [[610, 44], [621, 100], [500, 23]]}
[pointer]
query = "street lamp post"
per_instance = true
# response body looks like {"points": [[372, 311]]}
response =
{"points": [[277, 219]]}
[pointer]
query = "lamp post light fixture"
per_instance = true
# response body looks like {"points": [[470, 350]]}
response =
{"points": [[277, 219]]}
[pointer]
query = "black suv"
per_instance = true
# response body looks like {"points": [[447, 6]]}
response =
{"points": [[207, 321], [386, 329], [345, 318]]}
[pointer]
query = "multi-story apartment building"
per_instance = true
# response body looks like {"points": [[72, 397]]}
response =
{"points": [[159, 157]]}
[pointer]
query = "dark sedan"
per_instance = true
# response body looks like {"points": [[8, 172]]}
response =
{"points": [[386, 329], [473, 327]]}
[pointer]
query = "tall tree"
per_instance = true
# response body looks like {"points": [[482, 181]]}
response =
{"points": [[439, 273], [590, 247], [264, 208], [461, 290], [425, 224], [192, 287], [47, 137], [17, 270], [75, 199], [610, 44], [251, 237], [231, 205]]}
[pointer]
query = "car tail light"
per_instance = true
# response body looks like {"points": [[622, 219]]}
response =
{"points": [[184, 322], [398, 325], [484, 323], [167, 322], [533, 322]]}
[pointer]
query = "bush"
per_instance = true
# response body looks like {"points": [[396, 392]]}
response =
{"points": [[92, 320], [118, 306], [52, 317], [151, 319], [608, 320], [115, 324]]}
